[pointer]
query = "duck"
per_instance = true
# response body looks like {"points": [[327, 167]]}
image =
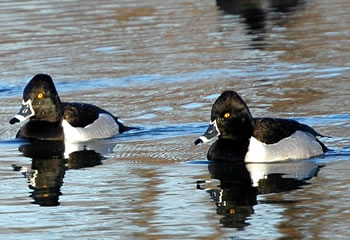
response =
{"points": [[244, 138], [51, 119]]}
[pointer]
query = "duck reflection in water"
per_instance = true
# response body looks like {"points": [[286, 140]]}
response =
{"points": [[241, 183], [51, 159], [257, 14], [235, 196]]}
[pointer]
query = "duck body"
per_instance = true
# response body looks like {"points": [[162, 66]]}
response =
{"points": [[51, 119], [244, 138]]}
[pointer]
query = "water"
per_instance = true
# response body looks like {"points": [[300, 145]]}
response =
{"points": [[160, 65]]}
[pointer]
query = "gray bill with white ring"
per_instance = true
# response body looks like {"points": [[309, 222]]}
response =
{"points": [[24, 113], [209, 134]]}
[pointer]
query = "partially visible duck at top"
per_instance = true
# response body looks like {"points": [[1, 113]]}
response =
{"points": [[51, 119], [244, 138]]}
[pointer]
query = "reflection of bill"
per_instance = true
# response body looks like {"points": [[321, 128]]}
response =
{"points": [[240, 184], [50, 159], [45, 178]]}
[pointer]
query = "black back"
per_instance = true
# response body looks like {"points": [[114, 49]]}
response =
{"points": [[272, 130], [83, 114]]}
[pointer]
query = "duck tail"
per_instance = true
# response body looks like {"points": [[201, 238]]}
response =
{"points": [[324, 148], [122, 127]]}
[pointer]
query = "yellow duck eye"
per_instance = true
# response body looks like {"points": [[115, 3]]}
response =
{"points": [[40, 96], [227, 115]]}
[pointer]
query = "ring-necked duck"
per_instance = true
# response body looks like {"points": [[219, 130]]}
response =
{"points": [[242, 137], [51, 119]]}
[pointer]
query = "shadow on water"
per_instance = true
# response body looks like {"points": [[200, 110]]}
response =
{"points": [[50, 161], [241, 183]]}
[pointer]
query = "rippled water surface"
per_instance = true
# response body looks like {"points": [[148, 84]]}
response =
{"points": [[160, 65]]}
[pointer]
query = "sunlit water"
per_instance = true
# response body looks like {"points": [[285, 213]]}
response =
{"points": [[160, 65]]}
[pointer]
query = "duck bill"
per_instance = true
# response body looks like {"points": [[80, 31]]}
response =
{"points": [[209, 134], [24, 113]]}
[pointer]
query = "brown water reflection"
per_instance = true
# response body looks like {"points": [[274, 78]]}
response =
{"points": [[160, 65]]}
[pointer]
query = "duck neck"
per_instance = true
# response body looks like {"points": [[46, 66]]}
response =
{"points": [[228, 150]]}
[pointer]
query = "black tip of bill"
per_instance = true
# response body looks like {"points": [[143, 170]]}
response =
{"points": [[14, 120], [198, 141]]}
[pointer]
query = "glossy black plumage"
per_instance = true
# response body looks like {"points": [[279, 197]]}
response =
{"points": [[48, 112], [235, 127], [81, 114]]}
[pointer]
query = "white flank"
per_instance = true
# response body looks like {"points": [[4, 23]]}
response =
{"points": [[298, 145], [104, 127]]}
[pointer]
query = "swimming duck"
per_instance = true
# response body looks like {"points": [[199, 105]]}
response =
{"points": [[242, 137], [51, 119]]}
